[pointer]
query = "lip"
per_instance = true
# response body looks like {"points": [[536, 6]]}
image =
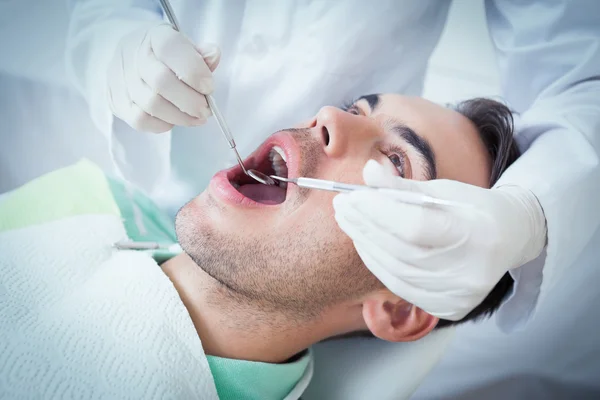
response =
{"points": [[221, 187]]}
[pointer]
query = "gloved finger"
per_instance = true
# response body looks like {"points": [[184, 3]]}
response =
{"points": [[418, 225], [180, 55], [122, 105], [431, 301], [149, 101], [157, 106], [211, 54], [431, 294], [422, 258], [140, 120], [380, 257], [378, 264], [364, 230], [357, 225], [400, 270], [163, 81], [424, 273], [375, 174]]}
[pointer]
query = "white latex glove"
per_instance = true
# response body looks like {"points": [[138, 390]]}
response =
{"points": [[443, 260], [157, 78]]}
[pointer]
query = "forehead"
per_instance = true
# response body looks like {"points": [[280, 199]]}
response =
{"points": [[459, 151]]}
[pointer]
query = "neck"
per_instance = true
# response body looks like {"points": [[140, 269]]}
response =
{"points": [[233, 327]]}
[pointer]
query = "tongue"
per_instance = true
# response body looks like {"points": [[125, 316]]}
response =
{"points": [[263, 194]]}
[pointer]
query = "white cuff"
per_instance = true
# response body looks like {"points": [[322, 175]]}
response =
{"points": [[520, 305]]}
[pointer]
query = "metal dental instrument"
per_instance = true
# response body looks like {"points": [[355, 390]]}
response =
{"points": [[131, 245], [254, 174], [402, 195]]}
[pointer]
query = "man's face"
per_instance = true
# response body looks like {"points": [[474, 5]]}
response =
{"points": [[281, 247]]}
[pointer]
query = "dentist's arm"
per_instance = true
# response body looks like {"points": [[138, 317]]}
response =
{"points": [[127, 61], [549, 59]]}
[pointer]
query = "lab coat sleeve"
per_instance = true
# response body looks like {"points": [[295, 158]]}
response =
{"points": [[549, 59], [95, 29]]}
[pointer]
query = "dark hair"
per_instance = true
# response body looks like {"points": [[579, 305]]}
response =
{"points": [[494, 122]]}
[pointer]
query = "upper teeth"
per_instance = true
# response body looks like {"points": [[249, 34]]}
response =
{"points": [[278, 161], [280, 152]]}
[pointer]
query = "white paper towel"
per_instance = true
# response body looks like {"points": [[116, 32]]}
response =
{"points": [[80, 319]]}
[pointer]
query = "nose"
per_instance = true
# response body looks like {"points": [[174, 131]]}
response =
{"points": [[341, 132]]}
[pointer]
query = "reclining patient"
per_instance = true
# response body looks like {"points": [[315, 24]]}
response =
{"points": [[265, 272]]}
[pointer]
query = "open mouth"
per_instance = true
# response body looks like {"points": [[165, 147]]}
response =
{"points": [[271, 162]]}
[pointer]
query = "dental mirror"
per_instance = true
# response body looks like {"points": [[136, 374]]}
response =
{"points": [[260, 177]]}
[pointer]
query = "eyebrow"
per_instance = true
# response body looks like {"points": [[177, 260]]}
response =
{"points": [[419, 143], [372, 99]]}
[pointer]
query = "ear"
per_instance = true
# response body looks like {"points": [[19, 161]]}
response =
{"points": [[393, 319]]}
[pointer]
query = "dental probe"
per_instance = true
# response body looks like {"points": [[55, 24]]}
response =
{"points": [[254, 174], [401, 195]]}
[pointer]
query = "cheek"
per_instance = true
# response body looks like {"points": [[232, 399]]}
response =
{"points": [[314, 219], [317, 216], [347, 170]]}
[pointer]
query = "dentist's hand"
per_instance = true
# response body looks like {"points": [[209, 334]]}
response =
{"points": [[157, 78], [443, 260]]}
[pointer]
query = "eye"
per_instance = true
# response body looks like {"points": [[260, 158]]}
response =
{"points": [[353, 110], [397, 161]]}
